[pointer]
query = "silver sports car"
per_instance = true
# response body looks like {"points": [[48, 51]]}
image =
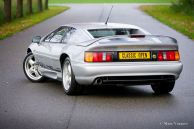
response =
{"points": [[104, 54]]}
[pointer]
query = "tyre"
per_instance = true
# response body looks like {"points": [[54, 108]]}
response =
{"points": [[31, 69], [68, 79], [163, 87]]}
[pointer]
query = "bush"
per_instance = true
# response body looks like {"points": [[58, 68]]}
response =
{"points": [[184, 6]]}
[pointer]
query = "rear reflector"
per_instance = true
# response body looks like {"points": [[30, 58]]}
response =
{"points": [[98, 57]]}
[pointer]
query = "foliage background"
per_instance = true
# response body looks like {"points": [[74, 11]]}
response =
{"points": [[34, 6]]}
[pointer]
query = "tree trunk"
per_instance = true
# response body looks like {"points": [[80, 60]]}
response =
{"points": [[40, 5], [19, 12], [46, 4], [7, 10], [29, 4]]}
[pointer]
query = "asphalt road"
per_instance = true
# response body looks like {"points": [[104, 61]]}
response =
{"points": [[26, 105]]}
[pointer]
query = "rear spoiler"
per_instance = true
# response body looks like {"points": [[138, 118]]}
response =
{"points": [[140, 37]]}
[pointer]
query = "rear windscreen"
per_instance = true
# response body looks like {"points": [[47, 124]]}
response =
{"points": [[97, 33]]}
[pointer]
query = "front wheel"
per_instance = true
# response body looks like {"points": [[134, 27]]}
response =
{"points": [[163, 87], [68, 79], [30, 68]]}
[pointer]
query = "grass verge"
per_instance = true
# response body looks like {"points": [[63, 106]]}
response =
{"points": [[110, 1], [178, 21], [19, 24]]}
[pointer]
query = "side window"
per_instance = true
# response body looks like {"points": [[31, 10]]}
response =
{"points": [[57, 35], [68, 35], [48, 38], [78, 36]]}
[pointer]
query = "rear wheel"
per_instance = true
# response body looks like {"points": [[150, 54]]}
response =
{"points": [[31, 69], [163, 87], [68, 79]]}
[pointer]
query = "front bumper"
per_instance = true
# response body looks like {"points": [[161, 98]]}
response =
{"points": [[87, 73]]}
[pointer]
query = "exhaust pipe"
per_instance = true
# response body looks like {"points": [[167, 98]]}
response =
{"points": [[98, 81]]}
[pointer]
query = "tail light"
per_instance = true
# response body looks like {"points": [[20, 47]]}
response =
{"points": [[114, 56], [160, 56], [168, 56], [177, 56], [98, 57]]}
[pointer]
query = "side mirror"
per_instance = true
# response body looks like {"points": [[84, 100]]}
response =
{"points": [[36, 39]]}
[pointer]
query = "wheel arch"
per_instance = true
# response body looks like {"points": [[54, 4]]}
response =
{"points": [[29, 50], [62, 58]]}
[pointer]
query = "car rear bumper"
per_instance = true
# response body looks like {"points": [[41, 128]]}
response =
{"points": [[87, 73]]}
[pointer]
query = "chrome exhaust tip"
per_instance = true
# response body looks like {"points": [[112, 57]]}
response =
{"points": [[98, 81]]}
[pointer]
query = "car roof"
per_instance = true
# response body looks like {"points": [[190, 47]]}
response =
{"points": [[99, 25]]}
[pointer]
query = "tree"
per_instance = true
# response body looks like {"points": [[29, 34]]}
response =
{"points": [[46, 4], [19, 12], [29, 4], [7, 10], [40, 5], [185, 6]]}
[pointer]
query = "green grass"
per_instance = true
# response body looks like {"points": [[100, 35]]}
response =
{"points": [[110, 1], [19, 24], [178, 21]]}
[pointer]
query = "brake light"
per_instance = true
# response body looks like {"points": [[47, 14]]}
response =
{"points": [[98, 57], [168, 56], [108, 57]]}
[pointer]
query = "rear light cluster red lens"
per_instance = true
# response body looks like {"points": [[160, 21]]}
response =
{"points": [[168, 56], [98, 57]]}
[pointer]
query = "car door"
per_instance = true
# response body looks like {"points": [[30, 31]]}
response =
{"points": [[57, 46], [50, 47]]}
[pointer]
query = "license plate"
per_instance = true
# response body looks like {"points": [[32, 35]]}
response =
{"points": [[134, 55]]}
